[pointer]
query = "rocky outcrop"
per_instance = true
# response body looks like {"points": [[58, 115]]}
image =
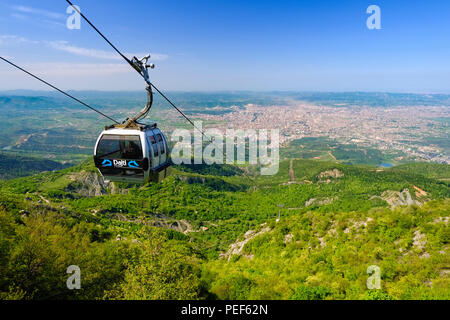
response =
{"points": [[319, 201], [179, 225], [327, 176], [237, 247], [91, 184], [288, 238], [419, 240], [335, 173], [403, 198]]}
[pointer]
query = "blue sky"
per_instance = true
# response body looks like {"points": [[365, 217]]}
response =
{"points": [[231, 45]]}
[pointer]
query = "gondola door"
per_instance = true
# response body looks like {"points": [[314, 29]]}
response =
{"points": [[162, 148], [154, 149]]}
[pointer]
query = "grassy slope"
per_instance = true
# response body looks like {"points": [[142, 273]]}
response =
{"points": [[429, 170]]}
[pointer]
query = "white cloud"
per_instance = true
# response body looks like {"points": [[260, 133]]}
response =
{"points": [[9, 39], [100, 54], [40, 12], [65, 46], [79, 51], [56, 19], [55, 23], [64, 69], [29, 14]]}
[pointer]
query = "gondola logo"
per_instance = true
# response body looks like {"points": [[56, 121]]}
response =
{"points": [[107, 163], [120, 163], [133, 164]]}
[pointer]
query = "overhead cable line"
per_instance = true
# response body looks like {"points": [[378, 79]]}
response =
{"points": [[57, 89], [133, 66]]}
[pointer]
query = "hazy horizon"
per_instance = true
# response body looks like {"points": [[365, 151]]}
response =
{"points": [[224, 91]]}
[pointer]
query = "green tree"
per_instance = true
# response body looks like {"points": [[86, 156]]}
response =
{"points": [[164, 270]]}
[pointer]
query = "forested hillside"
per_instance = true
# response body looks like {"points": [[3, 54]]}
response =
{"points": [[214, 233], [18, 166]]}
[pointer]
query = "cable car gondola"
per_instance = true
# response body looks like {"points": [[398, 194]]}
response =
{"points": [[131, 151]]}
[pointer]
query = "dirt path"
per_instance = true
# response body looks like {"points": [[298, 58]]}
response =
{"points": [[45, 200], [291, 171], [332, 156]]}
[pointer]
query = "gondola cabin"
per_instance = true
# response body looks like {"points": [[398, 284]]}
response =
{"points": [[134, 155]]}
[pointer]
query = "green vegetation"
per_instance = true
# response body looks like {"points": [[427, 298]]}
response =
{"points": [[326, 149], [17, 166], [316, 256], [171, 240], [210, 232], [429, 170]]}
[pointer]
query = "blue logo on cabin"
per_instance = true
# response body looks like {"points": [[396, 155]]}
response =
{"points": [[133, 164], [107, 163]]}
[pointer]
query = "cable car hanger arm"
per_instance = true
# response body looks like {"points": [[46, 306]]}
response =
{"points": [[142, 67]]}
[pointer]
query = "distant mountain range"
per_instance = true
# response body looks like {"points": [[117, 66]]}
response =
{"points": [[212, 99]]}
